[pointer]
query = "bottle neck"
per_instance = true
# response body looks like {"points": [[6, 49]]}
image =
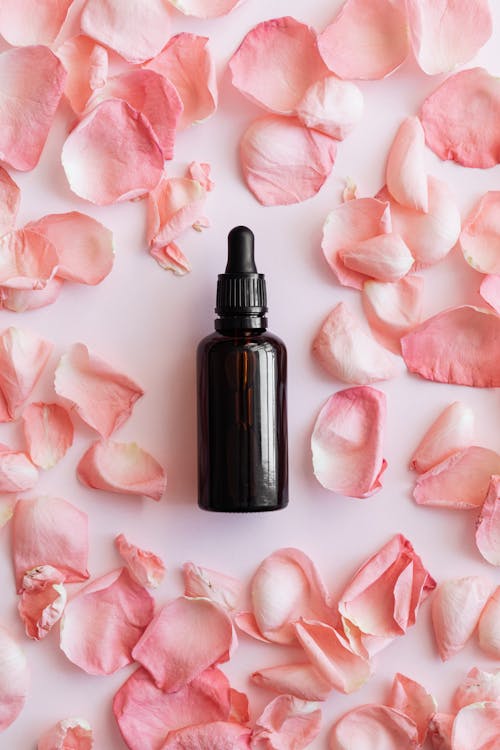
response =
{"points": [[240, 324]]}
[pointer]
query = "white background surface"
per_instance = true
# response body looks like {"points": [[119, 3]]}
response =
{"points": [[147, 322]]}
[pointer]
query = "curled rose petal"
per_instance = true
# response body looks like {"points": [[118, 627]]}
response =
{"points": [[414, 701], [219, 734], [477, 686], [145, 567], [332, 106], [27, 260], [440, 727], [488, 524], [393, 309], [187, 62], [385, 257], [460, 119], [374, 726], [224, 590], [10, 197], [68, 733], [456, 608], [49, 531], [284, 162], [122, 467], [477, 727], [92, 155], [375, 29], [489, 628], [17, 473], [480, 236], [460, 345], [23, 356], [83, 245], [175, 650], [171, 258], [300, 680], [42, 601], [451, 432], [348, 224], [102, 396], [350, 192], [490, 291], [200, 171], [205, 8], [347, 442], [33, 78], [173, 206], [24, 22], [20, 300], [460, 481], [86, 64], [445, 34], [286, 724], [14, 679], [49, 433], [405, 172], [103, 622]]}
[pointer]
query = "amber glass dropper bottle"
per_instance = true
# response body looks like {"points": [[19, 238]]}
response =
{"points": [[242, 421]]}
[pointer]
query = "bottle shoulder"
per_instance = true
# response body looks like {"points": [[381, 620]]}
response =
{"points": [[217, 340]]}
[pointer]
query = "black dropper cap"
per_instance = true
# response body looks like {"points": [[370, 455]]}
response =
{"points": [[241, 291]]}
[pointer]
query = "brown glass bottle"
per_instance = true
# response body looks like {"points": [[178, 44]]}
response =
{"points": [[242, 416]]}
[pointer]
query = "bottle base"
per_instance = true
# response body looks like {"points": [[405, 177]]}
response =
{"points": [[254, 509]]}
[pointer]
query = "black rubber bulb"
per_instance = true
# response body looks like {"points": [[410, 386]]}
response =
{"points": [[240, 245]]}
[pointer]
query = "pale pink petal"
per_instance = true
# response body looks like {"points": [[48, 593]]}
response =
{"points": [[405, 171], [49, 433], [187, 63], [27, 260], [42, 601], [205, 8], [350, 191], [145, 567], [171, 258], [460, 345], [17, 473], [83, 245], [331, 655], [185, 637], [347, 442], [31, 85], [372, 726], [348, 351], [393, 309], [24, 22], [14, 679], [49, 531], [286, 724], [300, 680], [367, 39], [145, 714], [440, 727], [348, 224], [480, 236], [173, 206], [23, 356], [460, 481], [86, 64], [7, 503], [430, 236], [122, 467], [102, 396], [222, 589], [414, 701], [68, 734], [489, 627], [200, 171], [456, 608], [385, 257], [490, 291], [137, 29], [247, 623], [20, 300], [488, 524], [477, 727], [451, 432], [332, 106], [103, 622], [445, 34], [477, 686], [284, 162], [10, 197], [460, 119], [220, 734], [92, 155]]}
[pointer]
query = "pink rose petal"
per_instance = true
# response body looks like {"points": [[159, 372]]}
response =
{"points": [[49, 433], [146, 568], [347, 225], [14, 679], [347, 442], [447, 33], [460, 119], [68, 734], [371, 726], [332, 106], [405, 172], [480, 236], [171, 258], [187, 62], [42, 601], [17, 473], [200, 171], [7, 503], [239, 707], [393, 309], [205, 8], [451, 432], [49, 531], [488, 524], [83, 245], [224, 590], [175, 649], [477, 686], [414, 701], [20, 300], [350, 192], [92, 155], [173, 206], [102, 396], [104, 621], [440, 727], [460, 481], [136, 29], [385, 257], [456, 608], [367, 39], [348, 351], [10, 198], [86, 64], [219, 734], [301, 680], [490, 291], [489, 628], [24, 22], [23, 356], [32, 82], [460, 345], [284, 162], [477, 727], [27, 260], [286, 724]]}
